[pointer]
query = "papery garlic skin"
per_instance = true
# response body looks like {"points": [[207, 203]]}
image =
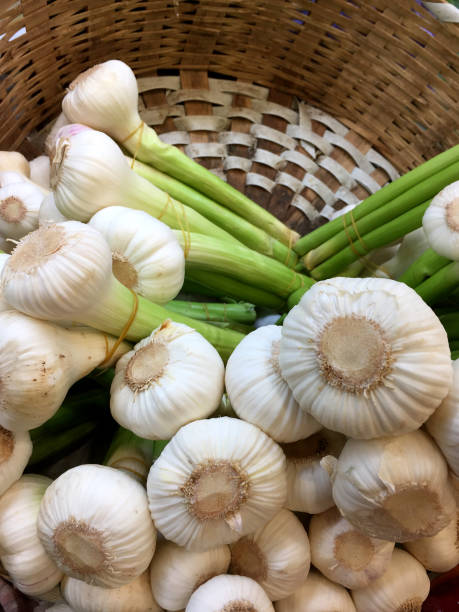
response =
{"points": [[216, 481], [365, 356], [317, 594], [277, 555], [343, 553], [176, 573], [309, 488], [146, 255], [15, 452], [105, 98], [32, 571], [49, 213], [404, 586], [441, 222], [3, 303], [259, 394], [394, 488], [172, 377], [229, 594], [19, 207], [443, 425], [60, 607], [94, 523], [39, 170], [136, 596], [39, 361], [50, 142], [15, 162]]}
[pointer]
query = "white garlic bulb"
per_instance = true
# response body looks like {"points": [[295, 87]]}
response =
{"points": [[365, 356], [309, 488], [276, 556], [259, 394], [403, 586], [13, 161], [394, 488], [15, 452], [343, 553], [39, 170], [19, 207], [170, 378], [176, 572], [317, 594], [48, 213], [94, 523], [441, 222], [216, 481], [229, 594]]}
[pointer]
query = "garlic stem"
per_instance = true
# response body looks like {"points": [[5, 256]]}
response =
{"points": [[130, 453]]}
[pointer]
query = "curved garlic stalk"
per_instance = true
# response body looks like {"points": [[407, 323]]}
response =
{"points": [[23, 556], [50, 142], [3, 303], [64, 272], [229, 594], [172, 377], [131, 454], [412, 246], [403, 587], [394, 488], [176, 572], [19, 207], [317, 594], [308, 483], [259, 394], [39, 362], [39, 170], [276, 555], [94, 523], [146, 256], [365, 356], [216, 481], [15, 162], [15, 452], [49, 213], [343, 553], [136, 596], [443, 425], [441, 222]]}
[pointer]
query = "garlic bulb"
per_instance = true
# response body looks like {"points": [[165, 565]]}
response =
{"points": [[23, 556], [3, 303], [441, 222], [146, 256], [19, 206], [94, 523], [15, 451], [39, 362], [276, 555], [176, 572], [15, 162], [229, 594], [259, 394], [136, 596], [39, 170], [317, 594], [131, 454], [170, 378], [343, 553], [48, 213], [394, 488], [365, 356], [50, 142], [216, 481], [443, 425], [309, 488], [404, 586]]}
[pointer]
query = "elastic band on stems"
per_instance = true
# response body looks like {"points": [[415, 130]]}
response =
{"points": [[139, 129], [124, 331], [290, 250], [185, 230], [369, 265]]}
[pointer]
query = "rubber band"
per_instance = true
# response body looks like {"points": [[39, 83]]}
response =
{"points": [[225, 314], [206, 310], [368, 264], [290, 241], [351, 242], [185, 230], [124, 331], [139, 129], [293, 281], [163, 212]]}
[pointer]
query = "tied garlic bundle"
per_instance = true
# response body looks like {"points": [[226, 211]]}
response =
{"points": [[94, 523], [365, 357], [170, 378], [216, 481]]}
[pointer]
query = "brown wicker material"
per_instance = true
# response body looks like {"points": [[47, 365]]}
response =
{"points": [[300, 104]]}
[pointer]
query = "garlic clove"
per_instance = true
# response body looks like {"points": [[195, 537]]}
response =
{"points": [[210, 472], [13, 161], [365, 356], [39, 170], [343, 553], [403, 586], [276, 556], [94, 523], [229, 594], [309, 483], [176, 572], [170, 378], [317, 594], [48, 213], [259, 394]]}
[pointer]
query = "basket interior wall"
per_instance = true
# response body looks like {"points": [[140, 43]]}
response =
{"points": [[388, 70]]}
